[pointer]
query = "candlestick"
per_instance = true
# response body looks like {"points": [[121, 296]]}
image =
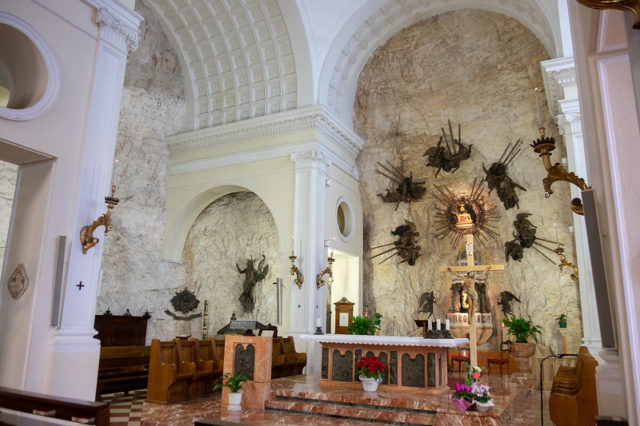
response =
{"points": [[446, 324], [429, 324], [438, 324]]}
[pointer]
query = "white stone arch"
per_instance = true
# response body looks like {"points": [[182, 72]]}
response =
{"points": [[178, 229], [375, 22]]}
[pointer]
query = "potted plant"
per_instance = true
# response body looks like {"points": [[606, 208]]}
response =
{"points": [[234, 383], [370, 372], [562, 320], [472, 392], [362, 326], [522, 350]]}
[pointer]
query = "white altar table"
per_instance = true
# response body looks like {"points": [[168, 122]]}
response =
{"points": [[413, 363]]}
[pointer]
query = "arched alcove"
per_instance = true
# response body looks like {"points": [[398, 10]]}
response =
{"points": [[234, 228]]}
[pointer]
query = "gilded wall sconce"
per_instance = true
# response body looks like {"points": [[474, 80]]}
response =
{"points": [[295, 271], [564, 262], [86, 233], [544, 145], [326, 271]]}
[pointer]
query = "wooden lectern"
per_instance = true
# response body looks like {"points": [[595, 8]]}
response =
{"points": [[344, 316]]}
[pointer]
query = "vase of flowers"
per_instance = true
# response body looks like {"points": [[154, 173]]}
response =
{"points": [[472, 392], [370, 372]]}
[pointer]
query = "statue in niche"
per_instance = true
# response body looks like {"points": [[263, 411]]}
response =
{"points": [[505, 300], [253, 275], [459, 298], [464, 218], [483, 297], [427, 300]]}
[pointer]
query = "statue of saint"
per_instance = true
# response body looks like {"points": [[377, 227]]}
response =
{"points": [[464, 218]]}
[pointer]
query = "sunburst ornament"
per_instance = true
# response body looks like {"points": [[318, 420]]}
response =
{"points": [[466, 213]]}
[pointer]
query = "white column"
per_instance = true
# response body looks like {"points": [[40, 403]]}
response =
{"points": [[73, 348], [561, 88], [308, 303]]}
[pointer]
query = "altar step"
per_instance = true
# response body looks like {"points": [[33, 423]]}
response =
{"points": [[353, 407]]}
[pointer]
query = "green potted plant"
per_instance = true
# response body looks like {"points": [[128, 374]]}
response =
{"points": [[234, 383], [362, 326], [522, 329], [562, 320]]}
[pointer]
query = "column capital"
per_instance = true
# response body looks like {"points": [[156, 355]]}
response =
{"points": [[313, 158], [118, 26], [558, 75]]}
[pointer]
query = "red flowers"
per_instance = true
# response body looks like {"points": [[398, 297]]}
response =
{"points": [[370, 366]]}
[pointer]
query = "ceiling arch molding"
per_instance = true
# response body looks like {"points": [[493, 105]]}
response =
{"points": [[237, 58], [374, 26]]}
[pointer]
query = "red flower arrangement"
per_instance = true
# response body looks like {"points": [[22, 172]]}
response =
{"points": [[370, 366]]}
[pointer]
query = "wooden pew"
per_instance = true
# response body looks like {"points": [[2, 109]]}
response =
{"points": [[208, 365], [573, 400], [294, 361], [57, 407], [122, 368], [166, 383], [278, 368]]}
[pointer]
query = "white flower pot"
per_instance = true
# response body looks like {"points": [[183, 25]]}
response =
{"points": [[482, 407], [370, 384], [235, 398]]}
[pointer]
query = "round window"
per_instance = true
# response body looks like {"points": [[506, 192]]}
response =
{"points": [[344, 219], [28, 72]]}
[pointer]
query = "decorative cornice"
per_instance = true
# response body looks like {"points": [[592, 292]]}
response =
{"points": [[124, 29], [557, 75]]}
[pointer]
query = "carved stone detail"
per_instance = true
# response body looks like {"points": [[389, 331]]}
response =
{"points": [[18, 282], [342, 366], [105, 18], [244, 361]]}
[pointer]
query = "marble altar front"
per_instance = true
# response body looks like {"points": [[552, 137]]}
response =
{"points": [[413, 363]]}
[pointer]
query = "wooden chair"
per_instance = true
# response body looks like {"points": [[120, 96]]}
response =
{"points": [[463, 356], [503, 359]]}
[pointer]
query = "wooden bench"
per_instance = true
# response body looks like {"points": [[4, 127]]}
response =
{"points": [[53, 406], [294, 361], [122, 368], [573, 400], [278, 368], [209, 367], [167, 384]]}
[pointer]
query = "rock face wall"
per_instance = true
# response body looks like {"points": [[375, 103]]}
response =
{"points": [[8, 176], [479, 69], [231, 230], [135, 276]]}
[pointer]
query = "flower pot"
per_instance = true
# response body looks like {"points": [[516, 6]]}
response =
{"points": [[460, 403], [370, 384], [235, 399], [522, 352], [562, 324], [482, 407]]}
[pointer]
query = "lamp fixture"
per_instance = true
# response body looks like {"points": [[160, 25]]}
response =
{"points": [[86, 233], [544, 145], [295, 271], [326, 271]]}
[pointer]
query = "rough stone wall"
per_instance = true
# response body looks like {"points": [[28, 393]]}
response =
{"points": [[8, 176], [230, 230], [135, 276], [479, 69]]}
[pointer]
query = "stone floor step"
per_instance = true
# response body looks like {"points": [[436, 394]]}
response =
{"points": [[352, 411]]}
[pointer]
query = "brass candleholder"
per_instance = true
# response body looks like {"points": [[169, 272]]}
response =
{"points": [[295, 271], [326, 271], [544, 145], [86, 233]]}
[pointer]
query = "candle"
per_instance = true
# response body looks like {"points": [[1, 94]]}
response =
{"points": [[429, 324], [438, 324], [318, 323], [446, 324], [540, 124]]}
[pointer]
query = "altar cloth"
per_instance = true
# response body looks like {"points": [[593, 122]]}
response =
{"points": [[384, 340]]}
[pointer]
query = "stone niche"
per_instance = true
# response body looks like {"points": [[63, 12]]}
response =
{"points": [[230, 230], [478, 69]]}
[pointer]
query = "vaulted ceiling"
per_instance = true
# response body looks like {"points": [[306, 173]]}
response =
{"points": [[249, 58]]}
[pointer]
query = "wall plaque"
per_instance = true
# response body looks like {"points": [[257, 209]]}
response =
{"points": [[18, 282]]}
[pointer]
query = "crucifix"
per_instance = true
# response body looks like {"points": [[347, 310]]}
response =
{"points": [[469, 279]]}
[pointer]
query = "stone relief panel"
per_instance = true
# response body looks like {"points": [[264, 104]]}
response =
{"points": [[229, 231], [8, 176], [479, 69], [135, 276]]}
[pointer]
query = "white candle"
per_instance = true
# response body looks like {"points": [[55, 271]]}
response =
{"points": [[438, 324], [540, 124], [446, 324], [429, 324], [318, 323]]}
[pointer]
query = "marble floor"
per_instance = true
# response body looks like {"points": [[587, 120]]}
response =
{"points": [[516, 404]]}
